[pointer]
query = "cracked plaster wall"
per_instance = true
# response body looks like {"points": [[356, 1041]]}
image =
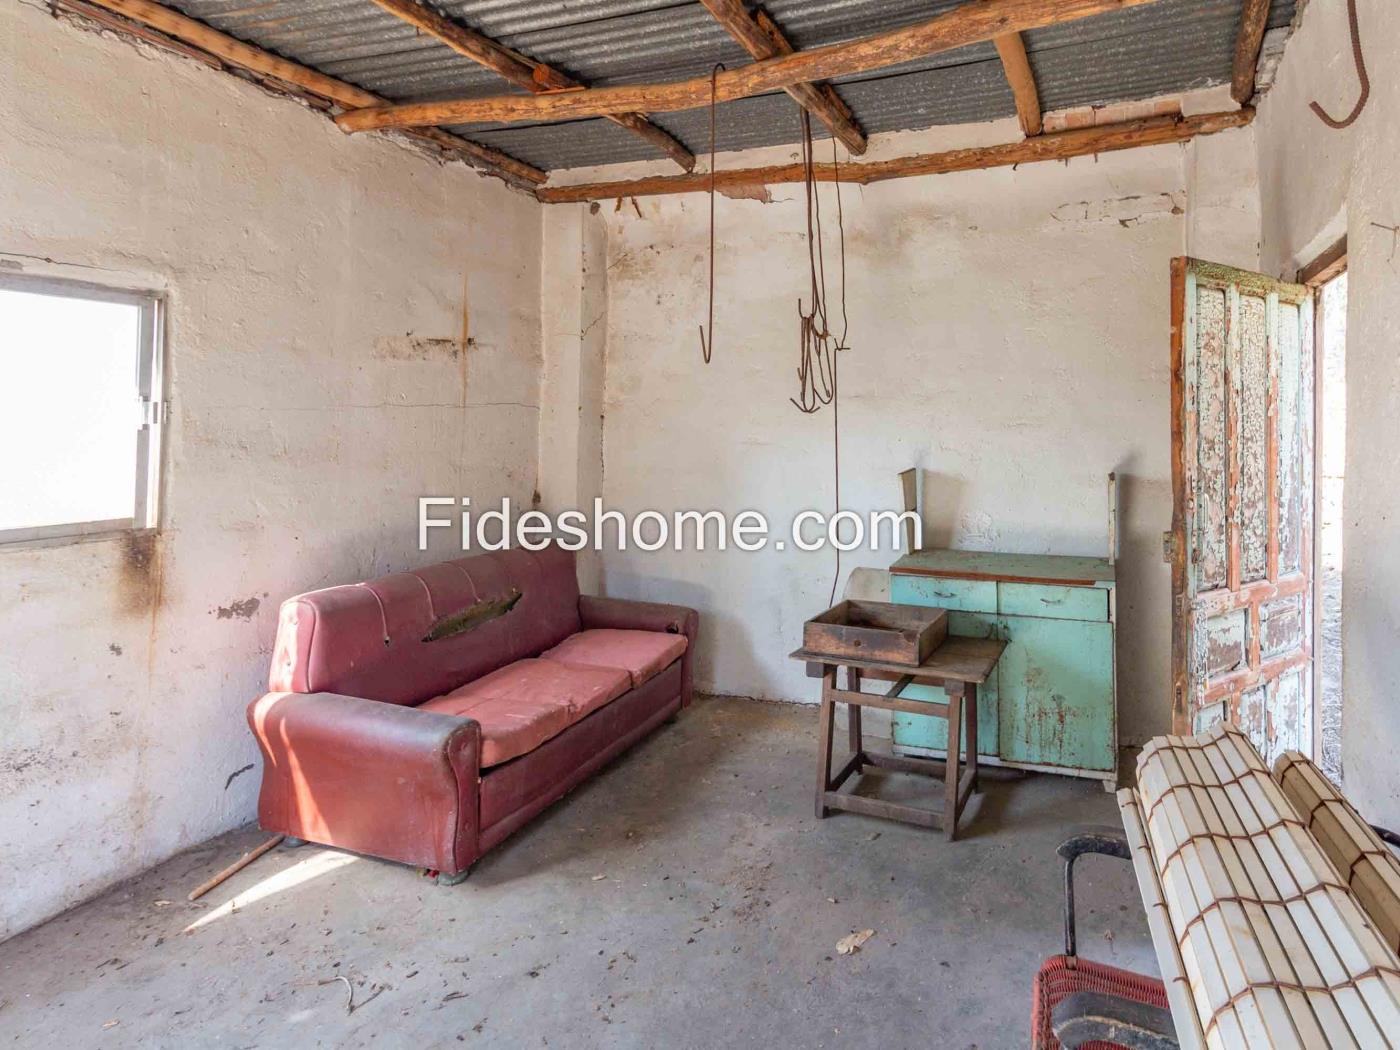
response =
{"points": [[1009, 336], [317, 286]]}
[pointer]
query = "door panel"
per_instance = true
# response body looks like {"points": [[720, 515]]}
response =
{"points": [[1242, 445], [1056, 683]]}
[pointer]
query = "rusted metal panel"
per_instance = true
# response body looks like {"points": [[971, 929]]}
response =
{"points": [[1156, 49], [1242, 486]]}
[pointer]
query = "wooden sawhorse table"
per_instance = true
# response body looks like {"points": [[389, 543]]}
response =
{"points": [[959, 665]]}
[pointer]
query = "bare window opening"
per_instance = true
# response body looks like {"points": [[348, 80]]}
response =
{"points": [[1331, 471], [80, 366]]}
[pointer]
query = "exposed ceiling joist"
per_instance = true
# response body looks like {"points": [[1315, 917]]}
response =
{"points": [[970, 23], [1254, 19], [1060, 145], [522, 71], [236, 53], [1012, 49], [760, 36]]}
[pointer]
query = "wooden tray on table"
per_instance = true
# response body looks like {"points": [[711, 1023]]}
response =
{"points": [[876, 631]]}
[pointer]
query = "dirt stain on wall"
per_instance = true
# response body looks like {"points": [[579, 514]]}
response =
{"points": [[139, 575], [410, 347]]}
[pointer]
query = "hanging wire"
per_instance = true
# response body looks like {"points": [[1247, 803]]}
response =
{"points": [[1361, 75], [707, 343], [818, 346]]}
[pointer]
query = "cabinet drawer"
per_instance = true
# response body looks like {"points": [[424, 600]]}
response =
{"points": [[962, 595], [1056, 603]]}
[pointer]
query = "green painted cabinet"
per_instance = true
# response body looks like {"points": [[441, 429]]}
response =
{"points": [[1051, 704]]}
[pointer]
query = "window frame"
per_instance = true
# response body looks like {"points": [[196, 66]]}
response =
{"points": [[150, 393]]}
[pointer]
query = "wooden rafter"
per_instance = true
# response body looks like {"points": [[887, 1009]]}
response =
{"points": [[1012, 49], [969, 23], [1253, 21], [1060, 145], [760, 36], [234, 52], [525, 72]]}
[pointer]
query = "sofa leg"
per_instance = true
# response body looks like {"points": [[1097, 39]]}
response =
{"points": [[444, 879], [291, 842]]}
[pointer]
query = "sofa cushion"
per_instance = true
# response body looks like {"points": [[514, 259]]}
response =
{"points": [[642, 654], [526, 703]]}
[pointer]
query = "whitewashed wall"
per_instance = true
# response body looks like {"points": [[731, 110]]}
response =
{"points": [[1315, 185], [1009, 335], [317, 286]]}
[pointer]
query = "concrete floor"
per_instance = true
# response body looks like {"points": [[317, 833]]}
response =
{"points": [[684, 898]]}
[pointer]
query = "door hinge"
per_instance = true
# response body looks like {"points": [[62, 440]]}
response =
{"points": [[154, 413]]}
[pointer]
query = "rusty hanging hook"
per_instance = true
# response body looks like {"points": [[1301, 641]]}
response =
{"points": [[707, 344], [1361, 75]]}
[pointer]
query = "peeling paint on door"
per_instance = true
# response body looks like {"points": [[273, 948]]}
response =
{"points": [[1241, 481]]}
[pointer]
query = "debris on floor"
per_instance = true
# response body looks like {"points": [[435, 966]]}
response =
{"points": [[850, 944]]}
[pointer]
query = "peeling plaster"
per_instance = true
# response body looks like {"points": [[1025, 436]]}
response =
{"points": [[316, 296], [239, 610]]}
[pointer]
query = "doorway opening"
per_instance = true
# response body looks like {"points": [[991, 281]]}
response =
{"points": [[1331, 402]]}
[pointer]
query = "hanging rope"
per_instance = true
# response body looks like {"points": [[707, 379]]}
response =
{"points": [[1361, 75], [707, 343], [817, 345]]}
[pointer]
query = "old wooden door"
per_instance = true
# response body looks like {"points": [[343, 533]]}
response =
{"points": [[1242, 462]]}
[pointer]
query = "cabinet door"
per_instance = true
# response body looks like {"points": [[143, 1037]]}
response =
{"points": [[932, 733], [1056, 688]]}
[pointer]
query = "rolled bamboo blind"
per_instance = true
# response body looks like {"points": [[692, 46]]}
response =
{"points": [[1363, 861], [1273, 948]]}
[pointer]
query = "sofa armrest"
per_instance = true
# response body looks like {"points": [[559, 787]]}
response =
{"points": [[369, 776], [620, 614]]}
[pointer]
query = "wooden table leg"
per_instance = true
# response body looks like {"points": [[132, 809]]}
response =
{"points": [[952, 770], [971, 701], [827, 724], [853, 714]]}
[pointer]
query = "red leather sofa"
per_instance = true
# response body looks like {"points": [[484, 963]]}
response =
{"points": [[424, 716]]}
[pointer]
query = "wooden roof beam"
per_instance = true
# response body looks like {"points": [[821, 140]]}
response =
{"points": [[760, 36], [969, 23], [1254, 19], [1059, 145], [1012, 49], [532, 75], [236, 53]]}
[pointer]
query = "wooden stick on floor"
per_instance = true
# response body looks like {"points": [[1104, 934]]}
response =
{"points": [[234, 868]]}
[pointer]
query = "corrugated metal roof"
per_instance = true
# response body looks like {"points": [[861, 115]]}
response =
{"points": [[1159, 48]]}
